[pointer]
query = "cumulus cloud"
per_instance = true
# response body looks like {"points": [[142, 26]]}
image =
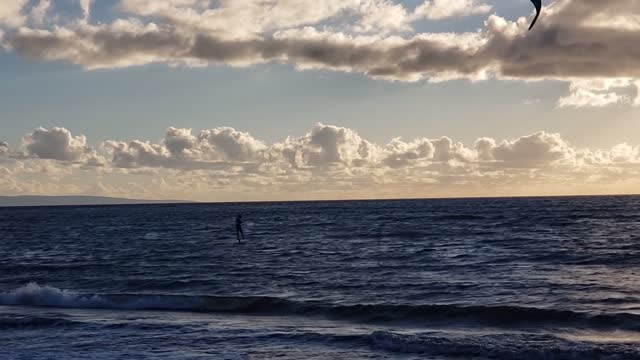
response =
{"points": [[401, 154], [325, 148], [230, 145], [327, 145], [325, 162], [181, 149], [537, 150], [623, 153], [55, 144]]}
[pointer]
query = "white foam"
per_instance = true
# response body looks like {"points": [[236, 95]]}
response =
{"points": [[36, 295], [49, 296]]}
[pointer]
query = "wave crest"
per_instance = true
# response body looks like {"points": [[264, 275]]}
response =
{"points": [[36, 295], [499, 316]]}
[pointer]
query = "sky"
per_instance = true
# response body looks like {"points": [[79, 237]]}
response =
{"points": [[233, 100]]}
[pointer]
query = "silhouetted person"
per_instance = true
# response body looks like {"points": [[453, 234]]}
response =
{"points": [[239, 232], [538, 5]]}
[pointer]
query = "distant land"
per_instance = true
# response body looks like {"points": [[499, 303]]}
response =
{"points": [[76, 200]]}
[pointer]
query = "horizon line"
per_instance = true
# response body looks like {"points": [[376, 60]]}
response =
{"points": [[193, 202]]}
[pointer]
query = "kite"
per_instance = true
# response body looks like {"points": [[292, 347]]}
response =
{"points": [[538, 5]]}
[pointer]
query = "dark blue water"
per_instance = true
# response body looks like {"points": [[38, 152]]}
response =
{"points": [[526, 278]]}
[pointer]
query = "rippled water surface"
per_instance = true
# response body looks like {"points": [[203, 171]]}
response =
{"points": [[524, 278]]}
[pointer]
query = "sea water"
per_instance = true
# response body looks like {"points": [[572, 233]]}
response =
{"points": [[517, 278]]}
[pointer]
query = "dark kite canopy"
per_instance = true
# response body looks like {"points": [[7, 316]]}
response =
{"points": [[538, 5]]}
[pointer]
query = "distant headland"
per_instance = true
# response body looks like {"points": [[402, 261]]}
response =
{"points": [[6, 201]]}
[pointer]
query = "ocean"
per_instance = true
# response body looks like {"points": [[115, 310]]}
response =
{"points": [[513, 278]]}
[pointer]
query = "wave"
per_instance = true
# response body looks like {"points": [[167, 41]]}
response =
{"points": [[30, 322], [509, 346], [498, 316], [460, 217], [48, 296], [501, 346]]}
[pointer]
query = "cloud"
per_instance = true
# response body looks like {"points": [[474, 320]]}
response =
{"points": [[401, 154], [181, 150], [325, 146], [5, 152], [85, 6], [55, 144], [596, 93], [7, 180], [537, 150], [235, 20], [531, 101], [572, 42], [39, 12], [230, 145], [4, 172], [328, 161], [130, 42], [446, 151], [382, 16], [11, 14]]}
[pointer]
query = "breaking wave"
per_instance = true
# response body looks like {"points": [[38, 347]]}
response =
{"points": [[499, 316]]}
